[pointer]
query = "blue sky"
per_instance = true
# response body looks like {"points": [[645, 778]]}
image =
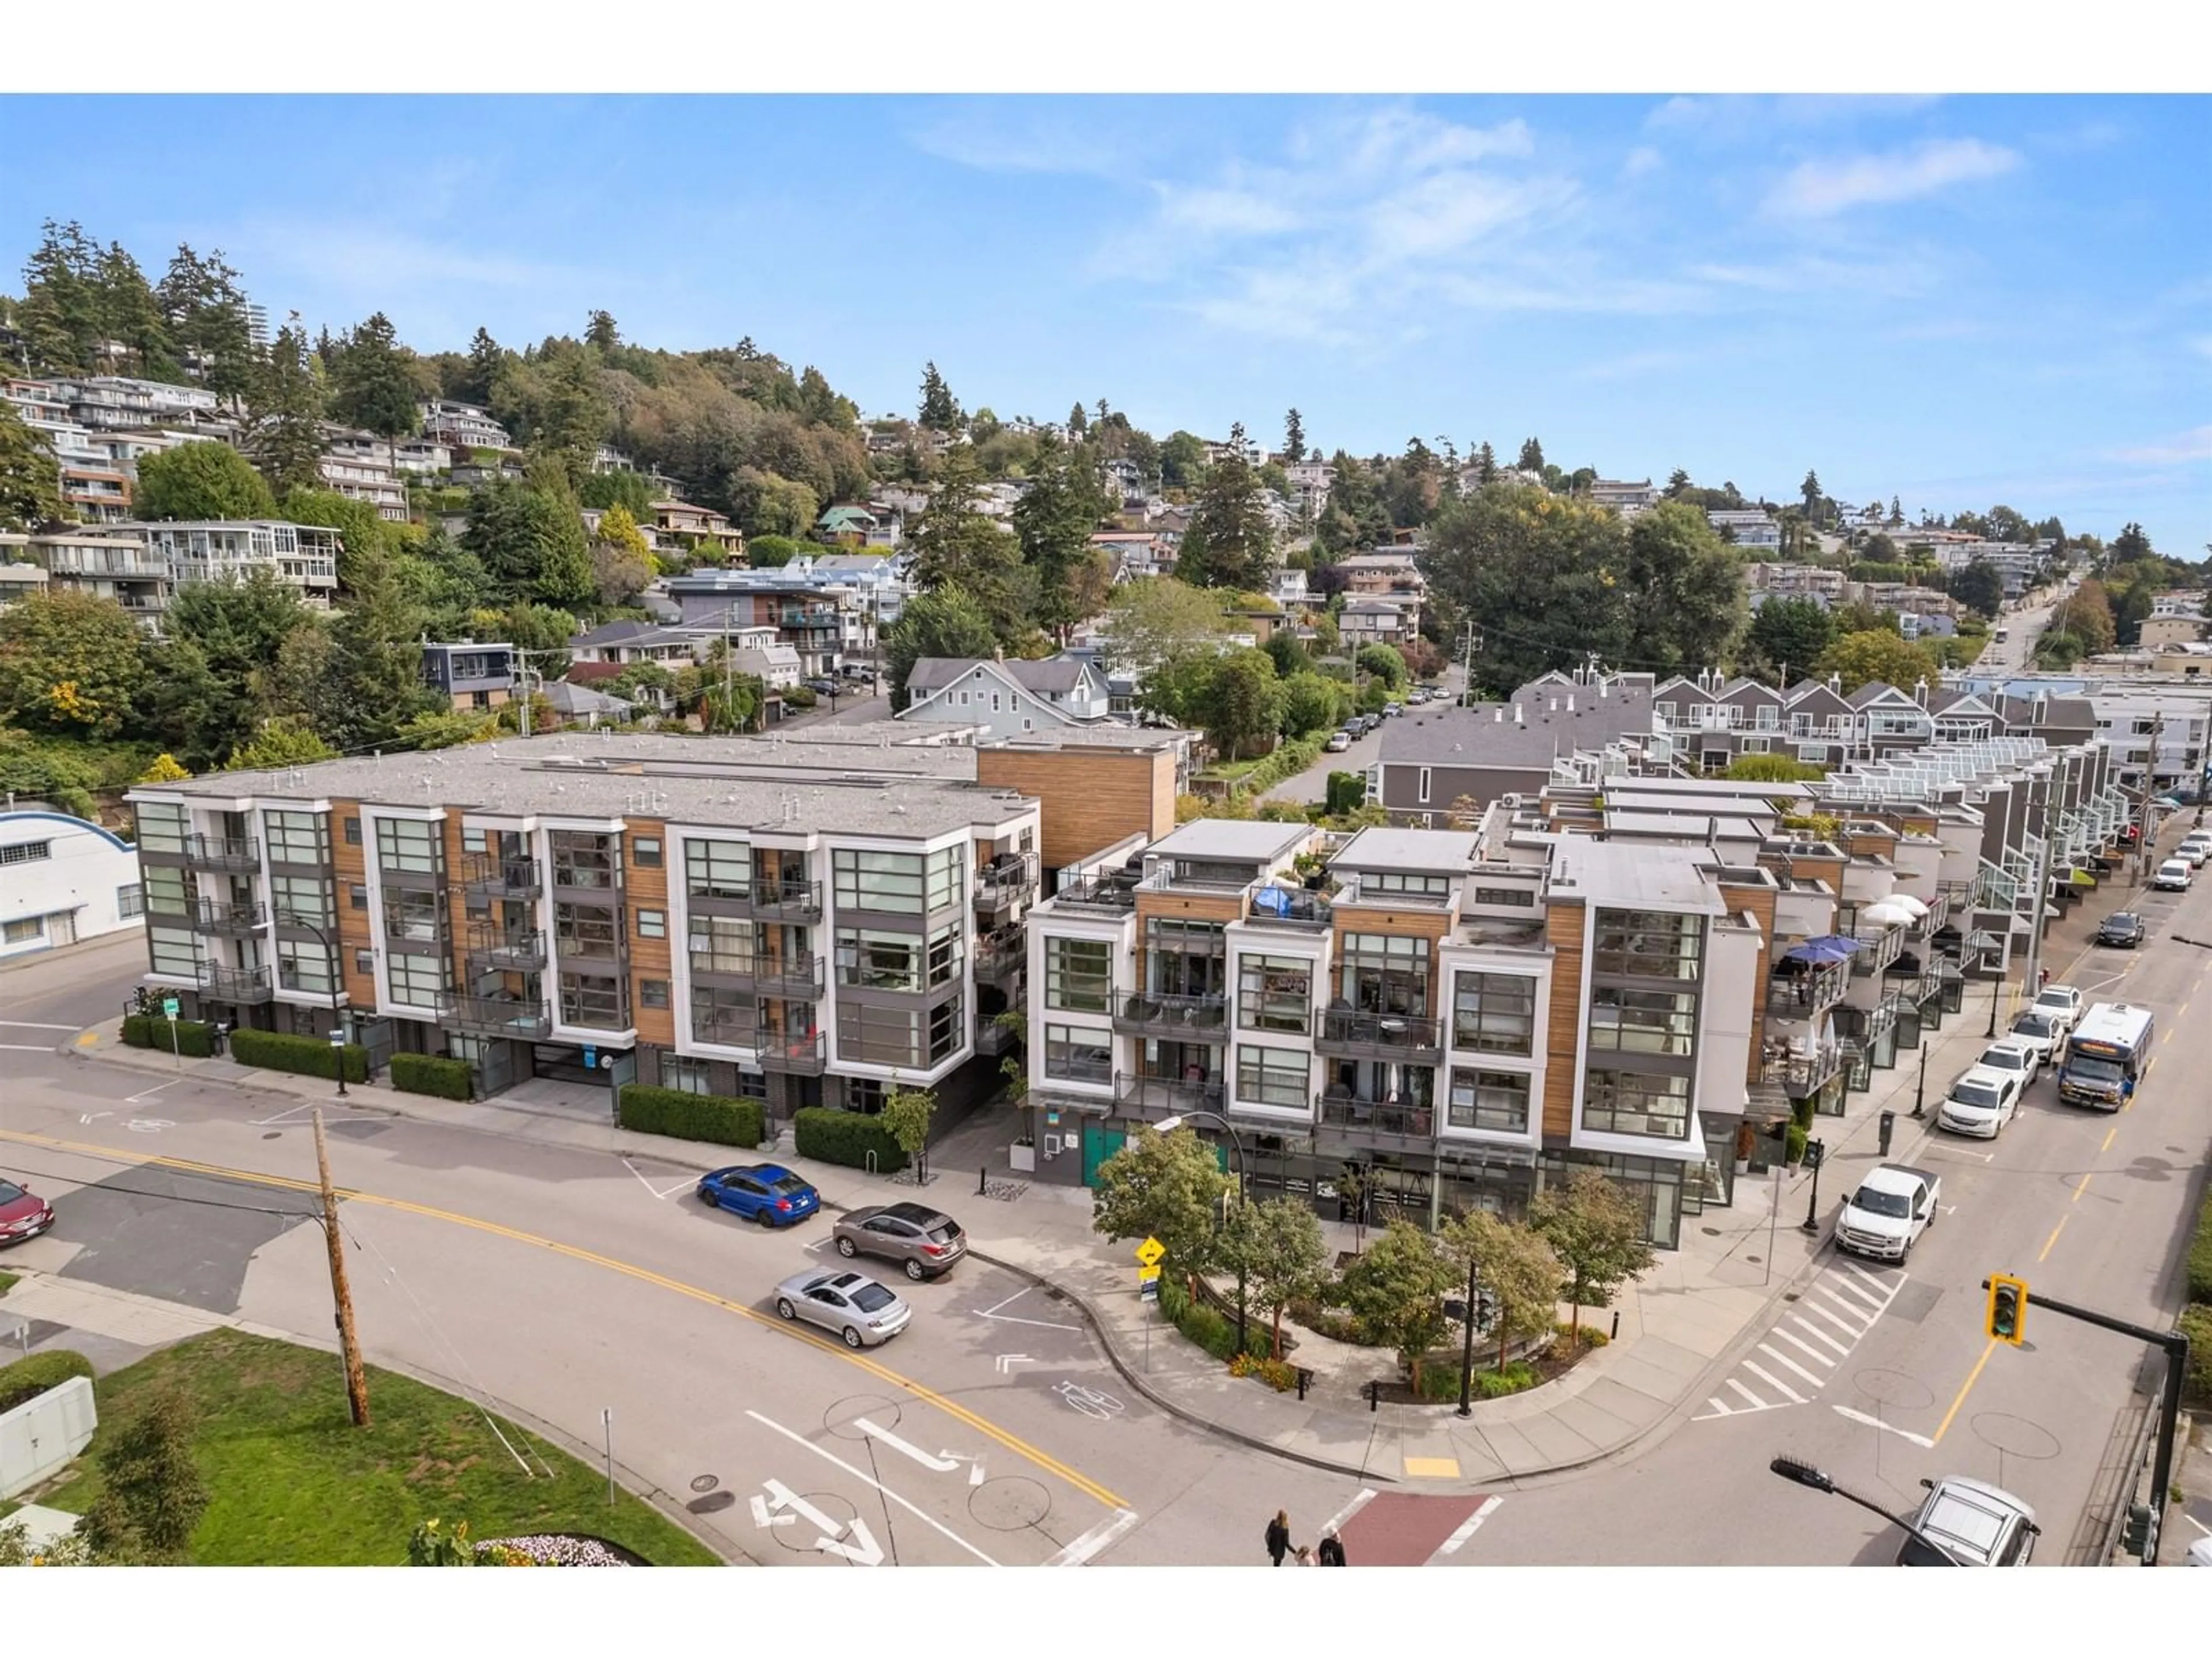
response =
{"points": [[1960, 301]]}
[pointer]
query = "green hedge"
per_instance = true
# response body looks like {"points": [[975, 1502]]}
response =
{"points": [[845, 1138], [280, 1051], [726, 1120], [1213, 1331], [2196, 1324], [2200, 1256], [429, 1074], [27, 1379], [1289, 759], [195, 1039]]}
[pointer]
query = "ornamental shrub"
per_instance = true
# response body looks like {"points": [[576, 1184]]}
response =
{"points": [[429, 1074], [726, 1120], [835, 1136], [282, 1051], [195, 1039], [28, 1378]]}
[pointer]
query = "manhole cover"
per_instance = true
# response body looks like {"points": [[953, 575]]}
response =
{"points": [[2015, 1436], [842, 1420], [712, 1503], [1009, 1502], [705, 1482], [1889, 1387], [272, 1134], [1711, 1233]]}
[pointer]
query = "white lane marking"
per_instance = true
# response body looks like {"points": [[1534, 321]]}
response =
{"points": [[1852, 1307], [38, 1025], [1467, 1528], [831, 1457], [688, 1181], [1874, 1295], [2195, 1522], [148, 1094], [290, 1111], [1854, 1332], [1773, 1381], [1820, 1336], [1805, 1348], [865, 1553], [92, 1117], [1871, 1277], [1781, 1358], [942, 1464], [1006, 1362], [1015, 1318], [1745, 1392], [1921, 1441], [781, 1496], [1361, 1500], [28, 1048], [1095, 1539]]}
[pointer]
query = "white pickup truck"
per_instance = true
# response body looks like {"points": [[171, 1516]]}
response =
{"points": [[1893, 1206]]}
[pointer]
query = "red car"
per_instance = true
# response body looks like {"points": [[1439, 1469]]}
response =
{"points": [[22, 1214]]}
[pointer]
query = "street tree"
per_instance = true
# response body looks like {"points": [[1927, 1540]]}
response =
{"points": [[939, 410], [201, 481], [1385, 663], [1278, 1248], [1242, 703], [151, 1493], [1166, 1187], [1396, 1289], [1877, 654], [2087, 614], [284, 398], [1686, 592], [30, 476], [1516, 1265], [906, 1117], [1313, 703], [1789, 633], [946, 623], [71, 664], [1595, 1226], [1229, 543]]}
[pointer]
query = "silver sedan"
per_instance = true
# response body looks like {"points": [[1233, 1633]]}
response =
{"points": [[860, 1311]]}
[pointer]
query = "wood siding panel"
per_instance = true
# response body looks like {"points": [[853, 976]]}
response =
{"points": [[457, 908], [650, 958], [1565, 925], [1759, 904], [1086, 799], [1190, 906], [356, 928]]}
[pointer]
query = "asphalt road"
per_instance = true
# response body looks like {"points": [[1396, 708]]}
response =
{"points": [[1312, 784]]}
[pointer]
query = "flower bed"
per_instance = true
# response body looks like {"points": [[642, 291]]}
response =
{"points": [[567, 1549]]}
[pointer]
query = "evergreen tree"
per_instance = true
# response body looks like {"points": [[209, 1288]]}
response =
{"points": [[151, 1494], [1294, 438], [1810, 490], [377, 663], [1486, 463], [531, 543], [284, 412], [202, 480], [946, 623], [601, 332], [207, 319], [1079, 422], [373, 385], [1677, 482], [2131, 544], [956, 546], [1532, 457], [60, 314], [575, 420], [1229, 543], [130, 317], [1054, 523], [940, 411], [1896, 510], [485, 357], [30, 476]]}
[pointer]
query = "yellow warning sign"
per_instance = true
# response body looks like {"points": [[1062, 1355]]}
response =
{"points": [[1150, 1252]]}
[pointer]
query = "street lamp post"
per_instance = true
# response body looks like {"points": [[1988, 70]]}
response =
{"points": [[1467, 1345], [1920, 1086], [1996, 995], [1236, 1148], [294, 919], [1819, 1480]]}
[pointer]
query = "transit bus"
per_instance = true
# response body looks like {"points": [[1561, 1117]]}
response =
{"points": [[2106, 1055]]}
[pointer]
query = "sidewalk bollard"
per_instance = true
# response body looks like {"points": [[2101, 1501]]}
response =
{"points": [[1887, 1126], [983, 1182], [1374, 1395], [1615, 1337], [1304, 1378]]}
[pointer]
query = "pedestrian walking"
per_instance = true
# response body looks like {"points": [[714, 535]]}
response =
{"points": [[1278, 1537], [1304, 1557], [2042, 978], [1332, 1550]]}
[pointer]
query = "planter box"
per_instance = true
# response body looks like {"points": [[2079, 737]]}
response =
{"points": [[42, 1435]]}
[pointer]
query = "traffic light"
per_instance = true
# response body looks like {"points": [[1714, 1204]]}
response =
{"points": [[2140, 1535], [2008, 1317]]}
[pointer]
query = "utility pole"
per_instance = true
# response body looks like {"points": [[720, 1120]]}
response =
{"points": [[348, 1344], [1470, 643], [2028, 985]]}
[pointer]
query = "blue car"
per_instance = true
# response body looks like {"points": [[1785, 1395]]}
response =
{"points": [[766, 1193]]}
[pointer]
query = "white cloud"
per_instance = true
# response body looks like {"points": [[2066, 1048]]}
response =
{"points": [[1819, 189], [2194, 445], [1642, 160], [2202, 346], [1629, 365], [1225, 210]]}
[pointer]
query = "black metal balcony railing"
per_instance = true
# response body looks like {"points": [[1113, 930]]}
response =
{"points": [[799, 975], [1173, 1018], [1356, 1036], [517, 1017], [1104, 892], [1284, 907], [239, 985], [1143, 1094], [494, 877], [805, 1052], [1377, 1122], [991, 1036], [1807, 995], [788, 901], [237, 853], [518, 949], [1009, 877], [212, 917], [1002, 955], [1877, 950]]}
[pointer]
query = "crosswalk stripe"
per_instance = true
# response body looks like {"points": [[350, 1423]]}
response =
{"points": [[1719, 1410], [1821, 1336], [1751, 1366], [1876, 1296], [1817, 1357], [1745, 1392], [1852, 1307], [1781, 1358], [1854, 1332], [1874, 1278]]}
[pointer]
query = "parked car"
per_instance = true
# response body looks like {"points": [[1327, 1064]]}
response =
{"points": [[1338, 742], [821, 686], [860, 1311], [2195, 847], [2123, 930], [1981, 1101], [2041, 1031], [23, 1214], [2061, 1002], [923, 1241], [1885, 1216], [1976, 1524], [2023, 1060], [1392, 710], [2172, 877], [766, 1193]]}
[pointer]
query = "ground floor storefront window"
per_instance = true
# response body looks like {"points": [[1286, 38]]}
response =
{"points": [[1656, 1182]]}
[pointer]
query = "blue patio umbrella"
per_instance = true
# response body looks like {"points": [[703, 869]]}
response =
{"points": [[1272, 901], [1827, 948]]}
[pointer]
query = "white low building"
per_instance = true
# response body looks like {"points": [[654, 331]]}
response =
{"points": [[63, 879]]}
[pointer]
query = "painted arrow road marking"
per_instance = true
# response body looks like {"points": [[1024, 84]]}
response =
{"points": [[865, 1553], [1920, 1440], [941, 1464], [781, 1496], [89, 1117], [1008, 1361], [764, 1516]]}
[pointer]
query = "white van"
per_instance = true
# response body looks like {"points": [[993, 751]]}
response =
{"points": [[2172, 877]]}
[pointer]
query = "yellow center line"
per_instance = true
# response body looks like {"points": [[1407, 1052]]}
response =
{"points": [[2082, 1188], [2053, 1239], [1012, 1442], [2109, 1135], [1972, 1376]]}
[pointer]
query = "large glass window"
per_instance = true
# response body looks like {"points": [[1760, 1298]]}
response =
{"points": [[1274, 993], [582, 859], [587, 930], [161, 828], [948, 874], [721, 944], [685, 1073], [165, 891], [413, 914], [880, 1036], [1637, 1103], [416, 981], [593, 1000], [172, 951], [1494, 1013], [944, 954], [303, 967], [1393, 884], [1648, 944], [1273, 1077], [721, 1015], [946, 1038], [879, 961], [297, 837], [408, 844], [869, 880], [1488, 1100], [1642, 1022], [1386, 974], [1079, 974], [718, 869], [1075, 1053], [301, 898]]}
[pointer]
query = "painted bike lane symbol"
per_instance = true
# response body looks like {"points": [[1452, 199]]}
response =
{"points": [[1092, 1403]]}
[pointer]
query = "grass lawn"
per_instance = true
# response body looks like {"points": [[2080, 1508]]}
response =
{"points": [[7, 1282], [291, 1482]]}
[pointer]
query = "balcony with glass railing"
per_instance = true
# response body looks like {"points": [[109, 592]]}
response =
{"points": [[240, 854], [516, 950], [1152, 1096], [488, 875], [236, 985], [1000, 956], [1878, 948], [1801, 1073], [798, 973], [1387, 1126], [1807, 995], [522, 1019], [788, 901], [1171, 1019], [213, 917], [1287, 907], [1004, 880], [804, 1053], [992, 1036], [1408, 1039]]}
